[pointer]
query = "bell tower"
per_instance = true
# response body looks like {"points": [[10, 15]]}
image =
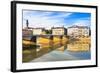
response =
{"points": [[27, 24]]}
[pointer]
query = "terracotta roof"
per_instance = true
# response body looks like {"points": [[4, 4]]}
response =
{"points": [[34, 28], [57, 27], [75, 26]]}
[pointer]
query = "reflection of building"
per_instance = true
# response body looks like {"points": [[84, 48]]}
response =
{"points": [[38, 31], [78, 47], [78, 31], [59, 31]]}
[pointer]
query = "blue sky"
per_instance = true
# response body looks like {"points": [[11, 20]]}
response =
{"points": [[48, 19]]}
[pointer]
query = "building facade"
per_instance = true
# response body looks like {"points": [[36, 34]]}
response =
{"points": [[78, 31], [27, 32], [38, 31], [59, 31]]}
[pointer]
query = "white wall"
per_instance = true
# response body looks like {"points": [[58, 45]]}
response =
{"points": [[5, 37]]}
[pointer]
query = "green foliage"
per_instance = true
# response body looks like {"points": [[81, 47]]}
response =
{"points": [[48, 31]]}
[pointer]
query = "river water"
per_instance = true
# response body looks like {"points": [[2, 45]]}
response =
{"points": [[58, 52]]}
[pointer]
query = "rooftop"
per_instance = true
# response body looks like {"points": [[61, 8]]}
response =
{"points": [[76, 26], [58, 27], [34, 28]]}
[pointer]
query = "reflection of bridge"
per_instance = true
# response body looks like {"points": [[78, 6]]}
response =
{"points": [[42, 51]]}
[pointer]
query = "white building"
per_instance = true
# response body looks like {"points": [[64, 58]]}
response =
{"points": [[59, 31], [33, 31], [38, 31], [78, 31]]}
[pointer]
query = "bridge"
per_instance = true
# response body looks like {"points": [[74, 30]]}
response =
{"points": [[50, 37]]}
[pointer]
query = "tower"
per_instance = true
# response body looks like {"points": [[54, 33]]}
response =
{"points": [[27, 24]]}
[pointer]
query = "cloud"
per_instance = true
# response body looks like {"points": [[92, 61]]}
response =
{"points": [[44, 19], [49, 19]]}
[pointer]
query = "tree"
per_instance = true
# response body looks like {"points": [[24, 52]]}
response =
{"points": [[48, 31]]}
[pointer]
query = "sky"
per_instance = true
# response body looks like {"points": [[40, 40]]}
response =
{"points": [[48, 19]]}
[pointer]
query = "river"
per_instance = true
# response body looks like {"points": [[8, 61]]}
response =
{"points": [[58, 52]]}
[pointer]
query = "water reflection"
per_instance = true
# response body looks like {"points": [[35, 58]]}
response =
{"points": [[57, 52]]}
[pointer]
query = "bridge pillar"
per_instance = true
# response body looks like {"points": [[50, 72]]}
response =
{"points": [[34, 39], [61, 38], [51, 40]]}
